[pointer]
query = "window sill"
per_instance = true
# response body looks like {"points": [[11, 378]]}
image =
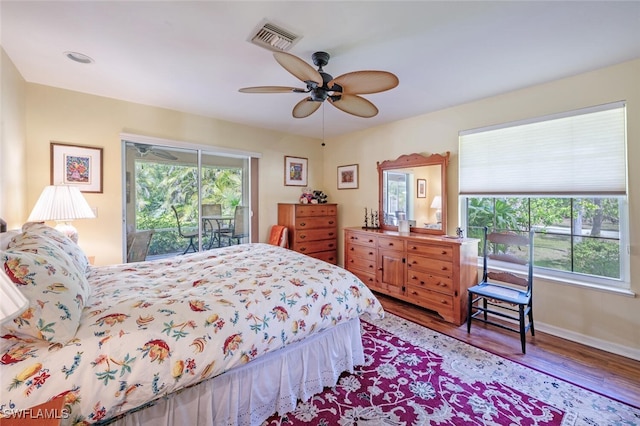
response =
{"points": [[591, 286]]}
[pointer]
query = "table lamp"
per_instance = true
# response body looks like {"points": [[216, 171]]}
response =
{"points": [[13, 301], [62, 203], [437, 204]]}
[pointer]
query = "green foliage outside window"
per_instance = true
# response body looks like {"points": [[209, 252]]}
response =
{"points": [[578, 235], [158, 186]]}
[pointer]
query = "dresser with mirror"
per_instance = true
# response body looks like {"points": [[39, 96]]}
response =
{"points": [[423, 266]]}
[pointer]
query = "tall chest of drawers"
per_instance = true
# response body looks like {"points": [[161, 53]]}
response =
{"points": [[312, 228], [430, 271]]}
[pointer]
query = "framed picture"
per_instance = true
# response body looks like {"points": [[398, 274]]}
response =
{"points": [[348, 177], [76, 165], [422, 188], [295, 171]]}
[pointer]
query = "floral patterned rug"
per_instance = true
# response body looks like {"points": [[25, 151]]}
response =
{"points": [[416, 376]]}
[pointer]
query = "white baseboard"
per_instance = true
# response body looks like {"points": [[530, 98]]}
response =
{"points": [[633, 353]]}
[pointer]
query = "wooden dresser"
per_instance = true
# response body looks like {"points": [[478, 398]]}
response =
{"points": [[313, 229], [430, 271]]}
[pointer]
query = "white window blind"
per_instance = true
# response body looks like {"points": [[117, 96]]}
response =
{"points": [[576, 153]]}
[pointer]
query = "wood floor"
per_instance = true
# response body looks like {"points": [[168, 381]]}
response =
{"points": [[603, 372]]}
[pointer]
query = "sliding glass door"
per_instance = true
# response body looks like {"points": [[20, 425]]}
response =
{"points": [[169, 190]]}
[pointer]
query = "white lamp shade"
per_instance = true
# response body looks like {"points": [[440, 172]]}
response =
{"points": [[437, 202], [12, 301], [62, 203]]}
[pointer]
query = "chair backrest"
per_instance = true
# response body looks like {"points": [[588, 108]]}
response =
{"points": [[212, 210], [509, 248], [279, 236], [175, 211], [139, 247], [240, 222]]}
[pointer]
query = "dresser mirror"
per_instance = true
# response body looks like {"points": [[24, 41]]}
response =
{"points": [[413, 190]]}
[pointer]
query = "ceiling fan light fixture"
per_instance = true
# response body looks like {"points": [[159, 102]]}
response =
{"points": [[273, 37]]}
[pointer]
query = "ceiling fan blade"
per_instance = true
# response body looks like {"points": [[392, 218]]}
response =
{"points": [[163, 154], [299, 68], [364, 82], [354, 104], [271, 89], [305, 107]]}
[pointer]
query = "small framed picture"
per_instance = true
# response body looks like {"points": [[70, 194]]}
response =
{"points": [[348, 177], [295, 171], [422, 188], [76, 165]]}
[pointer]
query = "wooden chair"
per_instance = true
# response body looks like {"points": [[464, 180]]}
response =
{"points": [[191, 235], [138, 248], [502, 294]]}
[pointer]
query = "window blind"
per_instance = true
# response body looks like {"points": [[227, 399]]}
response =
{"points": [[576, 153]]}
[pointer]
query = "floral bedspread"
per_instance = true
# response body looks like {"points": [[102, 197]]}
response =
{"points": [[154, 327]]}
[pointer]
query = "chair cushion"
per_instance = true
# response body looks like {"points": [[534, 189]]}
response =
{"points": [[500, 292]]}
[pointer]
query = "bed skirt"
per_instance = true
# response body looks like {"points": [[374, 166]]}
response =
{"points": [[249, 394]]}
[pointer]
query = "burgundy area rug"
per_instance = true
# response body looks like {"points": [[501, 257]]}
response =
{"points": [[415, 376]]}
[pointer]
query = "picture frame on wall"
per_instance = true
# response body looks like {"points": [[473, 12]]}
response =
{"points": [[348, 176], [295, 171], [422, 188], [77, 165]]}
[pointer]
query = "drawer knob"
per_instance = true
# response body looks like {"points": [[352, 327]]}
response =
{"points": [[370, 241], [303, 224], [370, 253], [302, 236], [331, 222], [303, 249], [352, 249], [331, 234], [331, 245], [444, 252]]}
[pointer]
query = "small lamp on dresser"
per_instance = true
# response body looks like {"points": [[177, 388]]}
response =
{"points": [[437, 204], [62, 203]]}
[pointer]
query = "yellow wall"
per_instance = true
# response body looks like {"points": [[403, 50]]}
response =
{"points": [[12, 144], [598, 318]]}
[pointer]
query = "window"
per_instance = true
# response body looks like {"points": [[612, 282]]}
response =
{"points": [[565, 177], [161, 175], [397, 185]]}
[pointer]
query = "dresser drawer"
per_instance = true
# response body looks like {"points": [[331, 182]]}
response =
{"points": [[441, 303], [362, 239], [315, 210], [364, 252], [430, 281], [327, 256], [368, 278], [303, 235], [433, 251], [390, 243], [315, 246], [316, 222], [440, 267], [360, 263]]}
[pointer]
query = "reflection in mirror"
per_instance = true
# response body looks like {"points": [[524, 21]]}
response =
{"points": [[413, 189]]}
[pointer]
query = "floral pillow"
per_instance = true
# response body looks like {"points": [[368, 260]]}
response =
{"points": [[64, 242], [48, 247], [56, 292]]}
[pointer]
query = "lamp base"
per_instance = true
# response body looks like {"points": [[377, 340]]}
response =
{"points": [[68, 230], [438, 216]]}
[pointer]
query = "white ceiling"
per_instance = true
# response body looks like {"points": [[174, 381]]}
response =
{"points": [[193, 56]]}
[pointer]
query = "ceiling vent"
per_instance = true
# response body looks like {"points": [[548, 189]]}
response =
{"points": [[274, 38]]}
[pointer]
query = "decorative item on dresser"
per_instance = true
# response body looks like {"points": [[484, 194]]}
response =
{"points": [[312, 229], [427, 270]]}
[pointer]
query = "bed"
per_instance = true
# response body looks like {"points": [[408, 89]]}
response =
{"points": [[225, 336]]}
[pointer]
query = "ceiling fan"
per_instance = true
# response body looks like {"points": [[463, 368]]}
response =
{"points": [[342, 92], [144, 150]]}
